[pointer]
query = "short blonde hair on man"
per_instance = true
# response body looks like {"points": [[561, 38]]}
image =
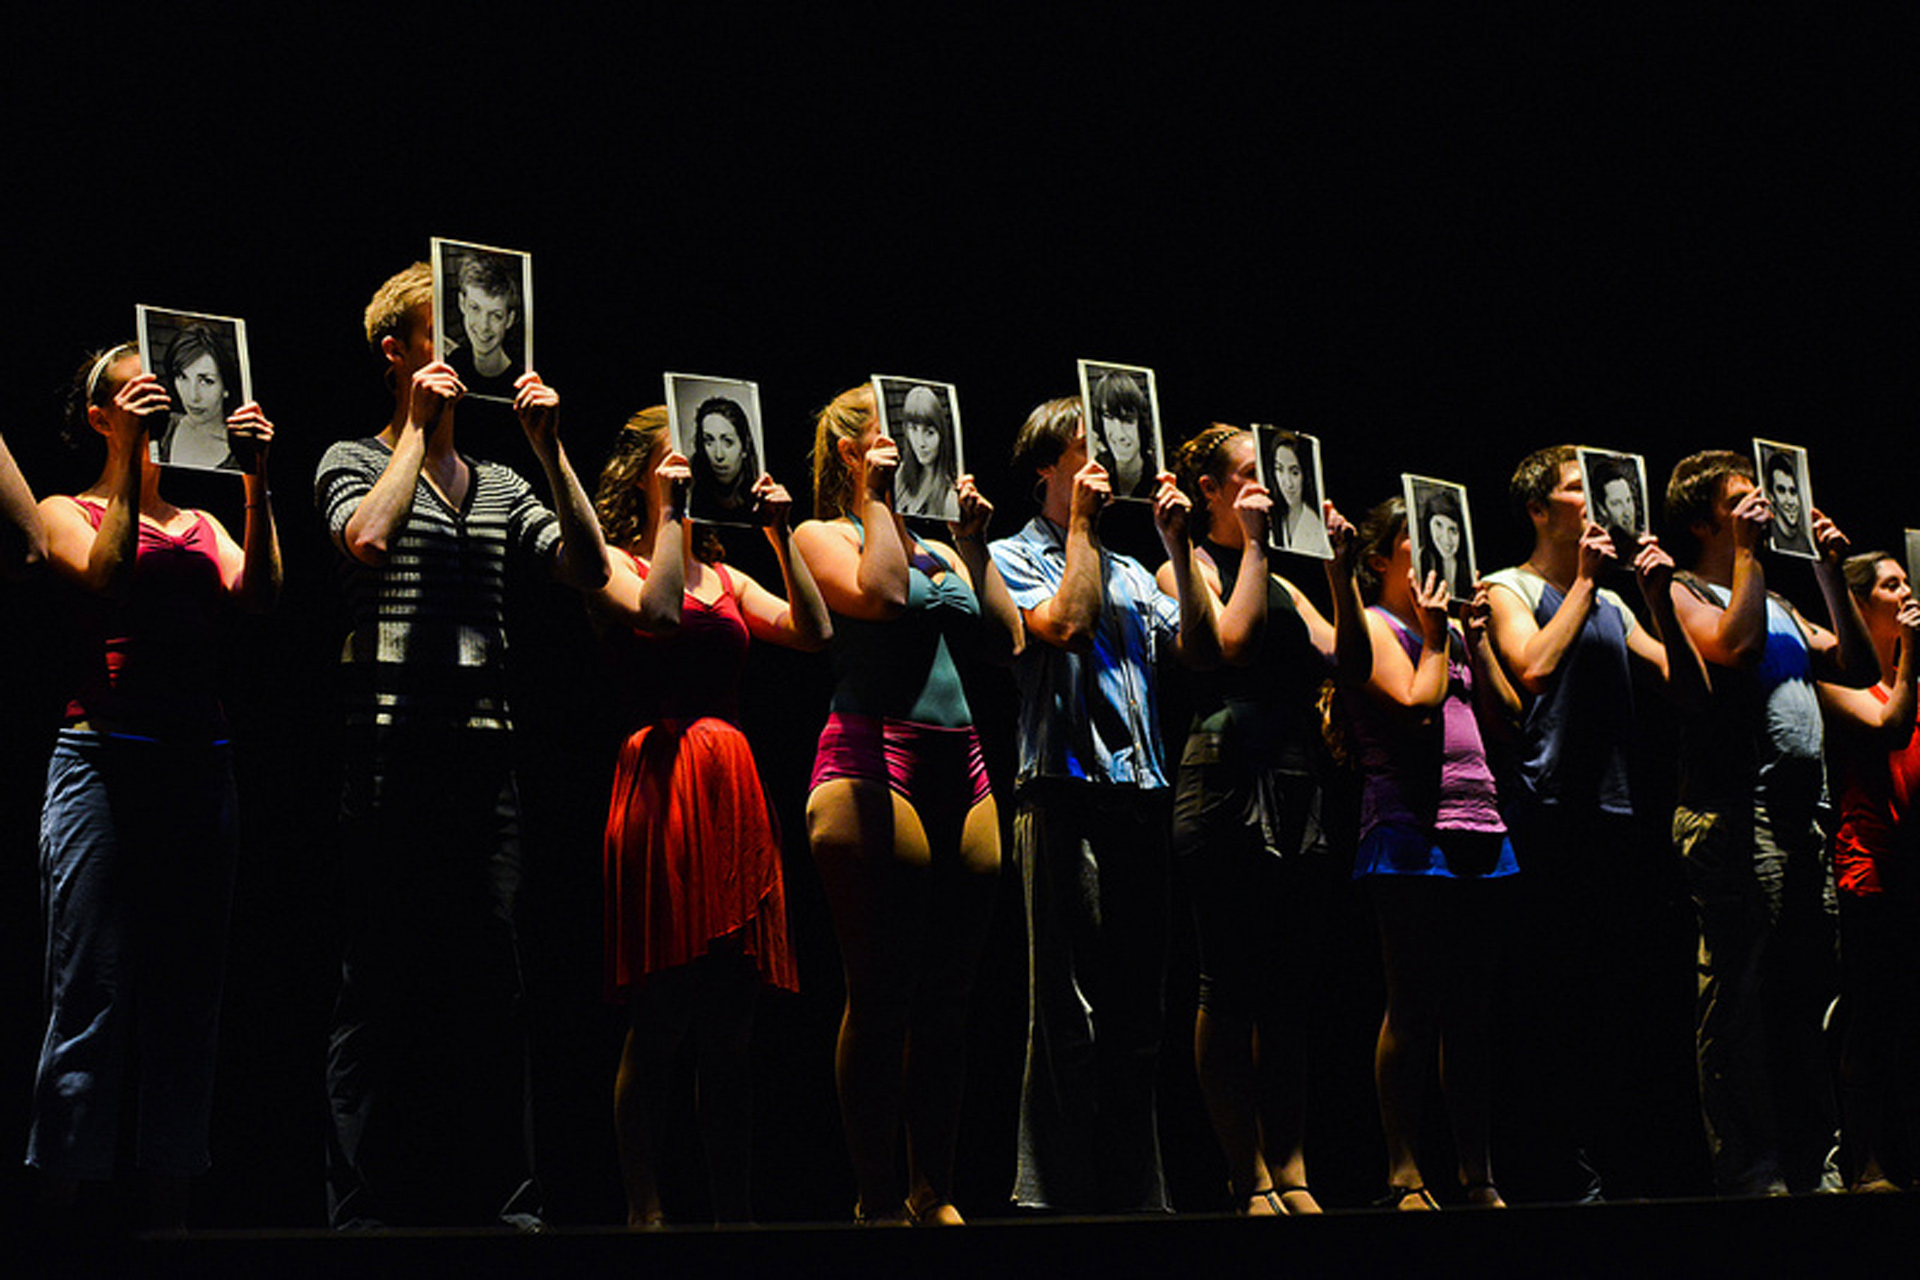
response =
{"points": [[390, 314]]}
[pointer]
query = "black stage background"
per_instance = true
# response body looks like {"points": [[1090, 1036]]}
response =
{"points": [[1436, 241]]}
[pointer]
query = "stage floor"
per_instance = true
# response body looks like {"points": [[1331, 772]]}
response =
{"points": [[1694, 1239]]}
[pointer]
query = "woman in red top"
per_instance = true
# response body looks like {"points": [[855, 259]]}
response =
{"points": [[137, 835], [1876, 757], [696, 918]]}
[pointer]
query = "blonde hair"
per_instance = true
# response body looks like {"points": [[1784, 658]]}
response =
{"points": [[390, 313], [845, 417]]}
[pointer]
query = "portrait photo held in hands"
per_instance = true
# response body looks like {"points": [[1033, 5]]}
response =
{"points": [[202, 365], [1442, 533], [1289, 464], [483, 325], [1789, 493], [1123, 427], [924, 419], [716, 424], [1616, 489]]}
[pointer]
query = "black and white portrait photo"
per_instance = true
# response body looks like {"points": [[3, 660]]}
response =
{"points": [[716, 424], [1913, 555], [1123, 426], [483, 315], [1288, 463], [202, 363], [923, 419], [1441, 530], [1782, 471], [1616, 489]]}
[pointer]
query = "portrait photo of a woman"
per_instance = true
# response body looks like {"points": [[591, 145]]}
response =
{"points": [[1297, 523], [716, 424], [200, 369], [925, 484], [1442, 537]]}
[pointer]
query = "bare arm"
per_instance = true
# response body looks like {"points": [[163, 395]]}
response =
{"points": [[1066, 619], [1846, 655], [580, 561], [102, 560], [1242, 620], [1735, 636], [1887, 725], [1198, 642], [1495, 699], [1531, 652], [249, 437], [801, 620], [1670, 650], [23, 537], [1006, 634], [1415, 685]]}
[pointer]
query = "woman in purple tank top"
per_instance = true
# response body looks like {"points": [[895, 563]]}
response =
{"points": [[1433, 851], [137, 836]]}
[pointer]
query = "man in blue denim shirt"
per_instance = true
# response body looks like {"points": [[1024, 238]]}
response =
{"points": [[1091, 824]]}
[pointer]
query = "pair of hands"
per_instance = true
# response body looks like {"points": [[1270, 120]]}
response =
{"points": [[142, 403], [883, 458], [1253, 506], [435, 386], [1092, 490], [772, 504], [1752, 516]]}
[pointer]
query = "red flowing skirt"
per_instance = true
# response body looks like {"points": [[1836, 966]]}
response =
{"points": [[692, 857]]}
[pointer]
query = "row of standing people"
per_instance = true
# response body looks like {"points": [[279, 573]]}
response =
{"points": [[900, 816]]}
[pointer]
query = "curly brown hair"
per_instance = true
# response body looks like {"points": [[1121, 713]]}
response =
{"points": [[620, 498]]}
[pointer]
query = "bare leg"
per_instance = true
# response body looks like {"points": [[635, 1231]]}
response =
{"points": [[1407, 1031], [873, 863], [957, 920], [724, 1031], [1224, 1060], [1280, 1075], [657, 1022]]}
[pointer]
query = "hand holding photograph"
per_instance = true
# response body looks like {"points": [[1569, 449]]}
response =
{"points": [[1288, 464], [1782, 472], [1123, 426], [715, 422], [1616, 489], [483, 315], [203, 365], [924, 419], [1440, 527]]}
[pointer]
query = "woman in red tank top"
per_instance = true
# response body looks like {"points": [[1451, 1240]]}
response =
{"points": [[138, 830], [696, 917], [1876, 757]]}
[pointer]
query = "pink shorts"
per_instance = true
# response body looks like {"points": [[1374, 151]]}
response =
{"points": [[924, 764]]}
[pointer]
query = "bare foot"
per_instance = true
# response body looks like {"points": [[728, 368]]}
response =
{"points": [[1297, 1201]]}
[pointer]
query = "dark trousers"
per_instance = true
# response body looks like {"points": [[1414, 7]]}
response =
{"points": [[1763, 887], [137, 844], [427, 1075], [1094, 869]]}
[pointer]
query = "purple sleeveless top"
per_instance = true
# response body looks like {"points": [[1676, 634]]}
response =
{"points": [[1432, 776]]}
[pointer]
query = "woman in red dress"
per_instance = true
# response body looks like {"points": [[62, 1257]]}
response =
{"points": [[696, 916]]}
